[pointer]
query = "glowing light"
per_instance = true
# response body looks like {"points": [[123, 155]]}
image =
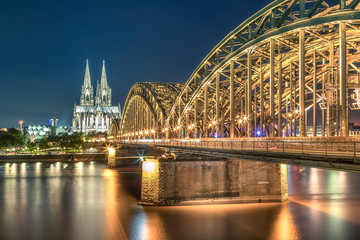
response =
{"points": [[141, 132], [193, 125], [146, 132], [149, 166], [290, 115], [111, 150], [213, 122], [296, 111], [107, 173], [258, 132], [152, 131], [245, 118]]}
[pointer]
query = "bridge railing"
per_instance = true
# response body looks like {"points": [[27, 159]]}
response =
{"points": [[325, 149]]}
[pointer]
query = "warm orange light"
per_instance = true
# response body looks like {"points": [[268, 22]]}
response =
{"points": [[149, 166], [107, 173], [111, 150]]}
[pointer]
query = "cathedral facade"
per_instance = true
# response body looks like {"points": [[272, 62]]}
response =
{"points": [[94, 115]]}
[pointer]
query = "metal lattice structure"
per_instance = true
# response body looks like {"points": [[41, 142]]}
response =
{"points": [[147, 107], [288, 70]]}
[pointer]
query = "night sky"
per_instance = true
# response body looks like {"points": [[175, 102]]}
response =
{"points": [[44, 46]]}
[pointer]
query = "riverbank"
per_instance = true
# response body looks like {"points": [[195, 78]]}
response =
{"points": [[64, 157]]}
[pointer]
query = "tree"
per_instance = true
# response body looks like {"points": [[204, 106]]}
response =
{"points": [[11, 139]]}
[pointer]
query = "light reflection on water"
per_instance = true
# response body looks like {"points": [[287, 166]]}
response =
{"points": [[85, 201]]}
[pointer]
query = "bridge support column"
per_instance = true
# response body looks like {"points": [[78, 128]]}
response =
{"points": [[343, 79], [261, 100], [187, 127], [314, 95], [330, 112], [249, 101], [279, 123], [196, 118], [290, 115], [111, 157], [272, 87], [232, 100], [180, 124], [186, 181], [218, 119], [205, 127], [302, 82]]}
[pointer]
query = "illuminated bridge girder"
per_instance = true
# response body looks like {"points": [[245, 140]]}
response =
{"points": [[146, 108], [286, 70]]}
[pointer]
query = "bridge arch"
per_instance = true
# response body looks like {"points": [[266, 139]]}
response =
{"points": [[289, 68], [146, 108], [114, 132]]}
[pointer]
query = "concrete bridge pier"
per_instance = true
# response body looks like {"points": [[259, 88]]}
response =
{"points": [[167, 181]]}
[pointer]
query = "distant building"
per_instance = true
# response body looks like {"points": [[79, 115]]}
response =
{"points": [[94, 115], [37, 132]]}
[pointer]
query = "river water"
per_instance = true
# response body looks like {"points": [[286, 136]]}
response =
{"points": [[87, 201]]}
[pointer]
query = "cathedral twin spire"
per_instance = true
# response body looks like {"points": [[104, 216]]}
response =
{"points": [[103, 92]]}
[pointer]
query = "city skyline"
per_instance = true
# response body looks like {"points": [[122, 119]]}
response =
{"points": [[45, 45]]}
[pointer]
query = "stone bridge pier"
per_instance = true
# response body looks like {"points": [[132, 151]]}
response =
{"points": [[201, 180]]}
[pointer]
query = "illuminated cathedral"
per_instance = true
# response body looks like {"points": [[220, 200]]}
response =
{"points": [[94, 115]]}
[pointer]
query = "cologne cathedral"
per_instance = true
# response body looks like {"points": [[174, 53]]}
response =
{"points": [[94, 115]]}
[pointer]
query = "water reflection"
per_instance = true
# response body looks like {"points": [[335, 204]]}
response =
{"points": [[87, 201]]}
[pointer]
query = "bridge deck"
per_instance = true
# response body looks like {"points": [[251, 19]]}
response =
{"points": [[322, 154]]}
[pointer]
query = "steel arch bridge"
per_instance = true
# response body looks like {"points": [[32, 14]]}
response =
{"points": [[291, 69]]}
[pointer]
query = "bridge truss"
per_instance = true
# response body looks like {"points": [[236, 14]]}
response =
{"points": [[292, 69]]}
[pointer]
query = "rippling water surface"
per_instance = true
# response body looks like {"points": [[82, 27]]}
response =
{"points": [[87, 201]]}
